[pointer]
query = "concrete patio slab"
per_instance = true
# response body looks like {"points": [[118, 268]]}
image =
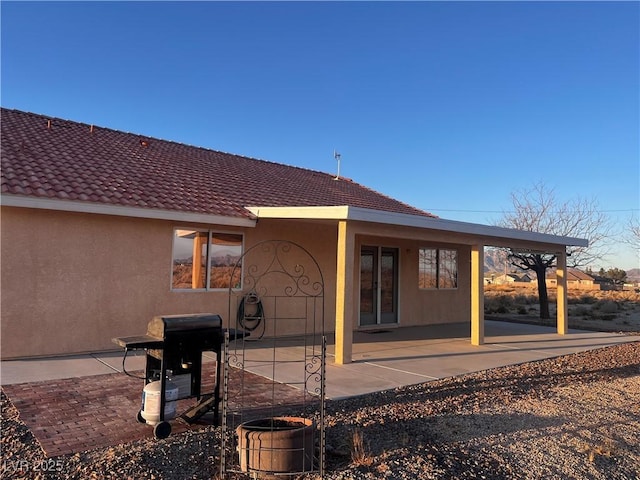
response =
{"points": [[47, 392], [382, 359], [393, 357], [41, 369], [135, 360]]}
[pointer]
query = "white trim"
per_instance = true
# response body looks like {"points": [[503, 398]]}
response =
{"points": [[103, 209], [315, 213], [417, 221], [342, 212]]}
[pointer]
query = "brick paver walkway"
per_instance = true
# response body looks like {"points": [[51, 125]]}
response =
{"points": [[79, 414]]}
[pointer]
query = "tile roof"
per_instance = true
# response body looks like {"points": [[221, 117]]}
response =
{"points": [[51, 158], [573, 275]]}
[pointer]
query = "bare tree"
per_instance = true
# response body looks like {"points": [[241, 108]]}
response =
{"points": [[633, 233], [538, 210]]}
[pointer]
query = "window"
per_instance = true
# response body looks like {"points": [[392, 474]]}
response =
{"points": [[428, 268], [438, 268], [203, 259], [447, 269]]}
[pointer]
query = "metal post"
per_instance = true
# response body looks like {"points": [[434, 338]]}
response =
{"points": [[225, 398], [323, 365]]}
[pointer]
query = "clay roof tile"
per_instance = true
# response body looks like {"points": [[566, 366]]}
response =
{"points": [[65, 160]]}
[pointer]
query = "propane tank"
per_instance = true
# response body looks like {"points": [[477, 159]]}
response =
{"points": [[151, 401]]}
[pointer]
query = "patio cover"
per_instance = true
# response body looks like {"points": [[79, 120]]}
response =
{"points": [[357, 220]]}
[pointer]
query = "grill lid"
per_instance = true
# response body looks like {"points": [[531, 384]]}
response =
{"points": [[162, 325]]}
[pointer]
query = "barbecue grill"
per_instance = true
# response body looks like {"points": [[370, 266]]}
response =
{"points": [[174, 344]]}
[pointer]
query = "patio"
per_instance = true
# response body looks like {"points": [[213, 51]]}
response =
{"points": [[388, 358], [382, 359], [76, 403]]}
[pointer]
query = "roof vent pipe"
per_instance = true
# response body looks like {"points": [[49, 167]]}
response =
{"points": [[337, 156]]}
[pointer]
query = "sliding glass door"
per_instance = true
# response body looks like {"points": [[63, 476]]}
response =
{"points": [[378, 285]]}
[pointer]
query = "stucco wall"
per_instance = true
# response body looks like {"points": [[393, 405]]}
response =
{"points": [[72, 281], [319, 240]]}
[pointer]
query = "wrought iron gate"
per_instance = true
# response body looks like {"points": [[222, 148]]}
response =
{"points": [[277, 373]]}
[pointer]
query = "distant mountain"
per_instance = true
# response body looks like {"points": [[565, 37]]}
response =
{"points": [[495, 260], [633, 275]]}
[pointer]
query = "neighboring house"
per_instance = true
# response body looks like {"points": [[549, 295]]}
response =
{"points": [[576, 279], [509, 279], [99, 229], [606, 283]]}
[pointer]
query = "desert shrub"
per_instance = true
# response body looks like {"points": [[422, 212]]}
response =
{"points": [[360, 454], [489, 306], [498, 304], [522, 299], [607, 306], [587, 299], [522, 310], [505, 301], [580, 311]]}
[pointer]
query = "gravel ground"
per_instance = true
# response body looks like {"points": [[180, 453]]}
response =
{"points": [[572, 417]]}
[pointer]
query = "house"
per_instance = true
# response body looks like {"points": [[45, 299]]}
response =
{"points": [[101, 230], [507, 279], [576, 279]]}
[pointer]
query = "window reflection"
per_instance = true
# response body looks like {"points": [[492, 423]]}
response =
{"points": [[438, 268], [193, 250]]}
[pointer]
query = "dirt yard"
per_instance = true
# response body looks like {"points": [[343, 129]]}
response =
{"points": [[602, 310]]}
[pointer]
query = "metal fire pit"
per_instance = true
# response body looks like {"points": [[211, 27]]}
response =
{"points": [[175, 343]]}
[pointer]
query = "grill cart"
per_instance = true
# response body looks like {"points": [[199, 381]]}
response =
{"points": [[173, 371]]}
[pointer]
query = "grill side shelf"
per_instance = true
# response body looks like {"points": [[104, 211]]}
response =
{"points": [[139, 342]]}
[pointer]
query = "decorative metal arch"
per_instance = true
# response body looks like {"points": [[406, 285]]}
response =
{"points": [[277, 296]]}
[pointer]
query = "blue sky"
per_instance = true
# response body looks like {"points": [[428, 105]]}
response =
{"points": [[447, 106]]}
